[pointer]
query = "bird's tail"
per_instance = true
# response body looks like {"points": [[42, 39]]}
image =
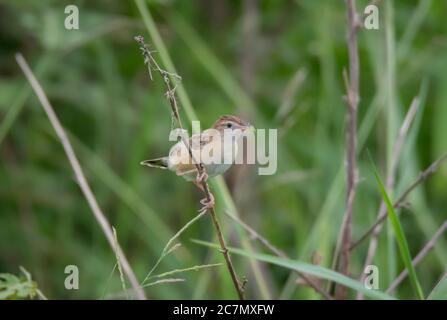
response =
{"points": [[161, 163]]}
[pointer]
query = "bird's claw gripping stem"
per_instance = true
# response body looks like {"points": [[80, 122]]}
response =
{"points": [[207, 204]]}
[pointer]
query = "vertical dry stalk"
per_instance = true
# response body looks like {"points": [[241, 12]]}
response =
{"points": [[352, 100], [152, 64], [82, 181]]}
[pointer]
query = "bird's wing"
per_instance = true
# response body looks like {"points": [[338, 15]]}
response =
{"points": [[201, 139], [179, 157]]}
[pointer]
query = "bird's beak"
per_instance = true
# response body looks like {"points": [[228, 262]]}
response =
{"points": [[249, 127]]}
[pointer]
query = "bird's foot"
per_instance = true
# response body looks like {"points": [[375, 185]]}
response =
{"points": [[207, 203]]}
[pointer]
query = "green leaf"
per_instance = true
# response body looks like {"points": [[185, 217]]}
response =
{"points": [[400, 237], [13, 287], [7, 294], [26, 290], [7, 280], [306, 268], [439, 292]]}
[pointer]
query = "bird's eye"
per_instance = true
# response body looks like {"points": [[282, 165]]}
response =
{"points": [[229, 125]]}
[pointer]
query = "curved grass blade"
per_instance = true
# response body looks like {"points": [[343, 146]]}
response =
{"points": [[310, 269], [400, 237]]}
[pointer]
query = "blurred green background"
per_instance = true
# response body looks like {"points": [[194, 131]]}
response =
{"points": [[276, 63]]}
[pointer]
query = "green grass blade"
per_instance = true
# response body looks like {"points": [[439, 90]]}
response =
{"points": [[306, 268], [440, 290], [400, 237], [19, 101]]}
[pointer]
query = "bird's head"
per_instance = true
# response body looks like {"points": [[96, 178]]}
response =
{"points": [[230, 122]]}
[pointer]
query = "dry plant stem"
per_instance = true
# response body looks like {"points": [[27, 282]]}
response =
{"points": [[41, 295], [421, 178], [351, 141], [280, 254], [152, 63], [370, 230], [426, 249], [83, 184]]}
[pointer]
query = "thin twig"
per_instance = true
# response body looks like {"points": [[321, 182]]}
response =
{"points": [[370, 230], [390, 179], [164, 281], [426, 249], [106, 287], [421, 178], [168, 248], [41, 295], [27, 274], [194, 268], [82, 181], [253, 233], [381, 216], [149, 59], [352, 100]]}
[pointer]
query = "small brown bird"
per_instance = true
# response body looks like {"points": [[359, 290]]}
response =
{"points": [[211, 147]]}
